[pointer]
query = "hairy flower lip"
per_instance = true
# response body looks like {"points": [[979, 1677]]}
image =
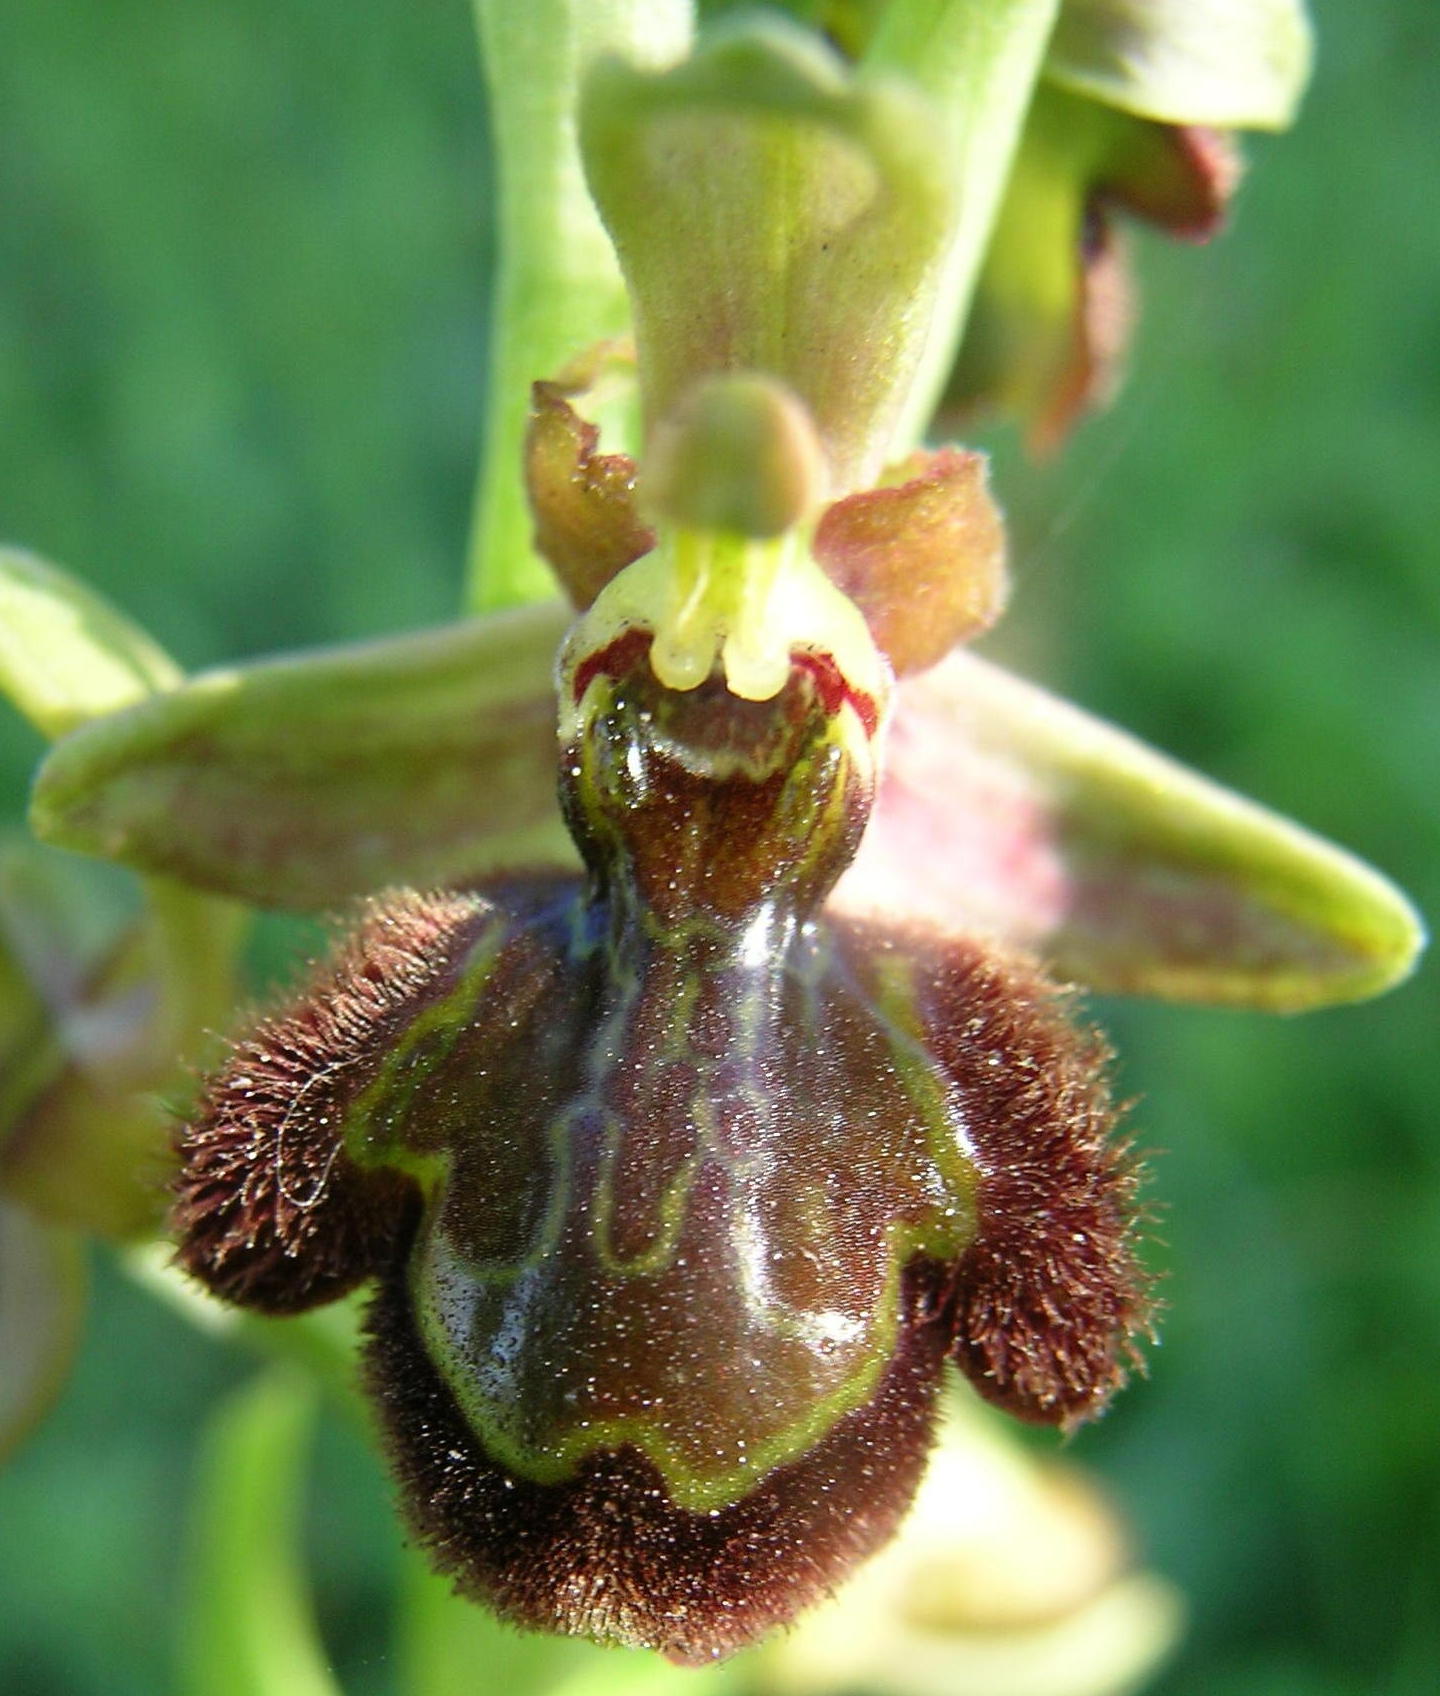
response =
{"points": [[280, 1222], [1040, 1326], [607, 1554]]}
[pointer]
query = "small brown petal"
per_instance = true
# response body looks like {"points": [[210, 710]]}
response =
{"points": [[923, 558], [586, 521], [1177, 177]]}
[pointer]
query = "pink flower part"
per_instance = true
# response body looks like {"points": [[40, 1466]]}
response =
{"points": [[960, 838]]}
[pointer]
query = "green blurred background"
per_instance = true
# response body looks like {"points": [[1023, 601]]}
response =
{"points": [[243, 253]]}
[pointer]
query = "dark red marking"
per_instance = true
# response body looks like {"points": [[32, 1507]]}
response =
{"points": [[624, 653], [834, 688], [615, 659]]}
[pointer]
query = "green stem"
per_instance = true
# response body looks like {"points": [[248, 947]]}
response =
{"points": [[246, 1628], [979, 60], [557, 289]]}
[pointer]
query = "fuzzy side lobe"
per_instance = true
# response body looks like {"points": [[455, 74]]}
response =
{"points": [[606, 1554], [1051, 1294], [269, 1211]]}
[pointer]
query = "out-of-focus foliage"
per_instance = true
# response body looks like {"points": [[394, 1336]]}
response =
{"points": [[241, 268]]}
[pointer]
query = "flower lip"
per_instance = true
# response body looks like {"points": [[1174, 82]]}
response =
{"points": [[631, 1253]]}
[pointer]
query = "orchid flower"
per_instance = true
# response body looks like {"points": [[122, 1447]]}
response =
{"points": [[685, 1131]]}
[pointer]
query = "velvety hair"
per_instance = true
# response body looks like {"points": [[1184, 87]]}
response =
{"points": [[269, 1212], [1051, 1294], [606, 1553]]}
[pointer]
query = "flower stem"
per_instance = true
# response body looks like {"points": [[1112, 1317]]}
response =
{"points": [[557, 288], [979, 61], [247, 1627]]}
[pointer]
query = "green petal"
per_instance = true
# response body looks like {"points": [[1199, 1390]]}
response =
{"points": [[775, 214], [247, 1627], [42, 1293], [302, 781], [1237, 64], [1006, 810], [66, 655]]}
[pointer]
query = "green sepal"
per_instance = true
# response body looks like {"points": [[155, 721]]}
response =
{"points": [[300, 782], [775, 213], [246, 1627], [1237, 64], [1004, 809], [42, 1297], [66, 655]]}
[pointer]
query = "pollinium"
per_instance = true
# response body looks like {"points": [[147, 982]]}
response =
{"points": [[676, 1191]]}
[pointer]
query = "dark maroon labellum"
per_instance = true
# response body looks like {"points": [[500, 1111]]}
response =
{"points": [[678, 1193]]}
